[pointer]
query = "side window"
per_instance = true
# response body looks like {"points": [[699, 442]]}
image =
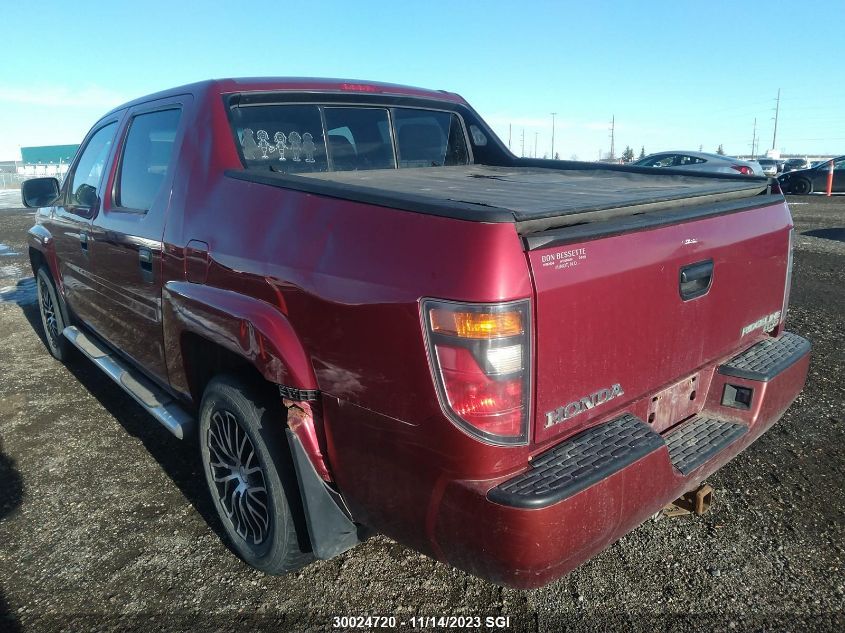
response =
{"points": [[85, 180], [478, 137], [146, 158], [429, 138], [661, 161], [689, 160]]}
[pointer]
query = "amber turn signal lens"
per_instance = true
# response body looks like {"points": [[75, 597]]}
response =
{"points": [[476, 324]]}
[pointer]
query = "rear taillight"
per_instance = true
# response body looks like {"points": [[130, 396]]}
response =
{"points": [[743, 169], [480, 362]]}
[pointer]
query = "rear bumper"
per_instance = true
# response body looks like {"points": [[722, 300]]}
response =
{"points": [[589, 491]]}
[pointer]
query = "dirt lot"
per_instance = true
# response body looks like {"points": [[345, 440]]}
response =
{"points": [[105, 523]]}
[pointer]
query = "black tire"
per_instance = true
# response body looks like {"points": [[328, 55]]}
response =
{"points": [[52, 319], [802, 187], [244, 448]]}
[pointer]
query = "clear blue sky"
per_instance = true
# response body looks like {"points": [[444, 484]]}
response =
{"points": [[675, 74]]}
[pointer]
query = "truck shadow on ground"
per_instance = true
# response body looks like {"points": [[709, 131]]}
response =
{"points": [[834, 233], [11, 496], [179, 459]]}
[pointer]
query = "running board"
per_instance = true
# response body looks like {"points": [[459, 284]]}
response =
{"points": [[155, 400]]}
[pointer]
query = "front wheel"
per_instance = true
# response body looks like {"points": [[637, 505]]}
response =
{"points": [[51, 315], [250, 475], [801, 187]]}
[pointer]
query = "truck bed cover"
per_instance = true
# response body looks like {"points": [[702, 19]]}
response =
{"points": [[535, 198]]}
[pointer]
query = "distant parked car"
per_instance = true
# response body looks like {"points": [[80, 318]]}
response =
{"points": [[701, 161], [795, 163], [814, 178], [769, 165]]}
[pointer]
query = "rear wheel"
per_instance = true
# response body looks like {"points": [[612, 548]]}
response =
{"points": [[801, 187], [250, 475], [51, 315]]}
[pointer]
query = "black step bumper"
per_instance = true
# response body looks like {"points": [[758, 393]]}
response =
{"points": [[603, 450]]}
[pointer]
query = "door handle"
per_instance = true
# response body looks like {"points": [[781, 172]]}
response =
{"points": [[145, 260], [83, 241], [694, 280]]}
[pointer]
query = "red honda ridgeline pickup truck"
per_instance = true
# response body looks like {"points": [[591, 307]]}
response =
{"points": [[376, 318]]}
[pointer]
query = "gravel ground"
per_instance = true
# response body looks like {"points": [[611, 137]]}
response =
{"points": [[105, 523]]}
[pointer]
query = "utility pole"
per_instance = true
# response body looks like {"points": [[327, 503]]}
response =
{"points": [[777, 111], [754, 140], [509, 135], [523, 142], [553, 134], [613, 137], [535, 144]]}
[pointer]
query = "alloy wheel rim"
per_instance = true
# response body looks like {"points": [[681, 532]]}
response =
{"points": [[48, 312], [238, 478]]}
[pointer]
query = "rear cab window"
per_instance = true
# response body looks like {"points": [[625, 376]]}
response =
{"points": [[301, 139]]}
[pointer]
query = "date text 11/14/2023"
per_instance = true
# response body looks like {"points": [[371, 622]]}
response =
{"points": [[420, 621]]}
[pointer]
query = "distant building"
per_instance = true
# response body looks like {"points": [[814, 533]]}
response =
{"points": [[46, 160]]}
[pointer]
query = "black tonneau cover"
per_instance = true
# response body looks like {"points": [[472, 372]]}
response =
{"points": [[535, 198]]}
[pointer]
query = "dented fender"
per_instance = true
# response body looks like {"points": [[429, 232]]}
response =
{"points": [[248, 327], [252, 329]]}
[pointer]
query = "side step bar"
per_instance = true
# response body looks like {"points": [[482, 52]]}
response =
{"points": [[156, 401]]}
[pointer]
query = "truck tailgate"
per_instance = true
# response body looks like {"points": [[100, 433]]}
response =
{"points": [[622, 316]]}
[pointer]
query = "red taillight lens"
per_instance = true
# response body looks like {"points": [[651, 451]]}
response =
{"points": [[492, 406], [743, 169], [479, 358]]}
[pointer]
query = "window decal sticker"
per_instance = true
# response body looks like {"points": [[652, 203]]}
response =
{"points": [[264, 143], [295, 145], [281, 146], [308, 147], [250, 147]]}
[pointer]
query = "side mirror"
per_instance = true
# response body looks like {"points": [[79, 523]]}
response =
{"points": [[39, 192]]}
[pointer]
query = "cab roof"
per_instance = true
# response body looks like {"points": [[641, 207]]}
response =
{"points": [[294, 84]]}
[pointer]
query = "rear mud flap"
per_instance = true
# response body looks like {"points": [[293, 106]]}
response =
{"points": [[331, 531]]}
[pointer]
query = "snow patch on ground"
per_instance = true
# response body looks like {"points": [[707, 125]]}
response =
{"points": [[22, 293], [13, 270], [10, 199], [6, 251]]}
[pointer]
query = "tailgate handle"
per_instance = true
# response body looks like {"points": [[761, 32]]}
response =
{"points": [[695, 279]]}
